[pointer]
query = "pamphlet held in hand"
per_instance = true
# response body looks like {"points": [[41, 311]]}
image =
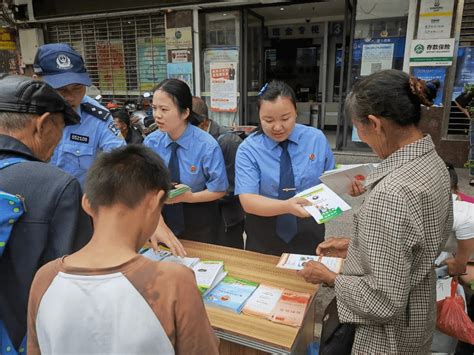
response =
{"points": [[325, 204], [340, 180], [296, 261]]}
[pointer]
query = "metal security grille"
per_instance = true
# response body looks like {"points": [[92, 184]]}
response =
{"points": [[125, 56], [467, 27], [458, 122]]}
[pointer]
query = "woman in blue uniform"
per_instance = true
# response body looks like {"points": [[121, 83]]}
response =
{"points": [[273, 164], [193, 158]]}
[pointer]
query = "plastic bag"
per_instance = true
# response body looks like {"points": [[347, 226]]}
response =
{"points": [[452, 318]]}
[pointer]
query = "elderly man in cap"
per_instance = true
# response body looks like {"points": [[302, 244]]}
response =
{"points": [[32, 118], [63, 68]]}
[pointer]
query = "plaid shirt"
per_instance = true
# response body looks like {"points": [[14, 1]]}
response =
{"points": [[387, 287]]}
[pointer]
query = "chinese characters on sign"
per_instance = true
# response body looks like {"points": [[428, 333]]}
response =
{"points": [[376, 57], [435, 19], [432, 52], [224, 87], [307, 30]]}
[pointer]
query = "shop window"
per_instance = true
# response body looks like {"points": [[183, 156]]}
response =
{"points": [[220, 48], [379, 36]]}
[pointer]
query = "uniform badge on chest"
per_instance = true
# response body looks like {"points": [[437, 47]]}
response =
{"points": [[78, 138], [311, 157], [193, 168]]}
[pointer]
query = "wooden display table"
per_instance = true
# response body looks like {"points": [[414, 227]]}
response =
{"points": [[242, 334]]}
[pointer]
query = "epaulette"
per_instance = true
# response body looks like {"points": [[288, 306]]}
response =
{"points": [[98, 112]]}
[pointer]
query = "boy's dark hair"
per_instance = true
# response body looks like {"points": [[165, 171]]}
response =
{"points": [[122, 116], [453, 177], [391, 94], [272, 91], [180, 93], [125, 175]]}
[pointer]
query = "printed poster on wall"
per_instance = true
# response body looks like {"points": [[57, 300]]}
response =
{"points": [[432, 73], [376, 57], [464, 70], [179, 56], [435, 19], [151, 62], [431, 52], [217, 56], [223, 86], [179, 38], [183, 72], [111, 65]]}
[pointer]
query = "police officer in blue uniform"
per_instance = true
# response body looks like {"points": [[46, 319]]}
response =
{"points": [[63, 68], [273, 164], [193, 158]]}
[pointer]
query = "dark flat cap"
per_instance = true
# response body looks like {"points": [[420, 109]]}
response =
{"points": [[22, 94]]}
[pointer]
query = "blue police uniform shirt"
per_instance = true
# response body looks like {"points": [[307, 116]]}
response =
{"points": [[257, 166], [82, 142], [201, 163]]}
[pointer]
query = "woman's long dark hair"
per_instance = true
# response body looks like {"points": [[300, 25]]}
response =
{"points": [[180, 93]]}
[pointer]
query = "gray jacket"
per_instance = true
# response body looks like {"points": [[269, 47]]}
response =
{"points": [[53, 225]]}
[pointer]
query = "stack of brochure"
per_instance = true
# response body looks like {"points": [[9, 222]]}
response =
{"points": [[166, 255], [278, 305], [178, 190], [208, 273], [231, 294], [291, 308]]}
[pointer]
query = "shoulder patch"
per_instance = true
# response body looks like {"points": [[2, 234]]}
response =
{"points": [[98, 112], [114, 129]]}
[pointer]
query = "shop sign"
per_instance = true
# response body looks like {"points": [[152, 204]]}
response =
{"points": [[183, 72], [376, 57], [300, 30], [179, 56], [432, 73], [435, 19], [432, 52], [179, 38], [223, 86]]}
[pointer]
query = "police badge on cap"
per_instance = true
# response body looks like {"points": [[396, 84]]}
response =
{"points": [[60, 65]]}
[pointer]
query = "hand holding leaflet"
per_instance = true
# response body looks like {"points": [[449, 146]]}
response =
{"points": [[325, 204]]}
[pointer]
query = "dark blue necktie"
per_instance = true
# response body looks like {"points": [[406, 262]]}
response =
{"points": [[174, 213], [286, 226]]}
